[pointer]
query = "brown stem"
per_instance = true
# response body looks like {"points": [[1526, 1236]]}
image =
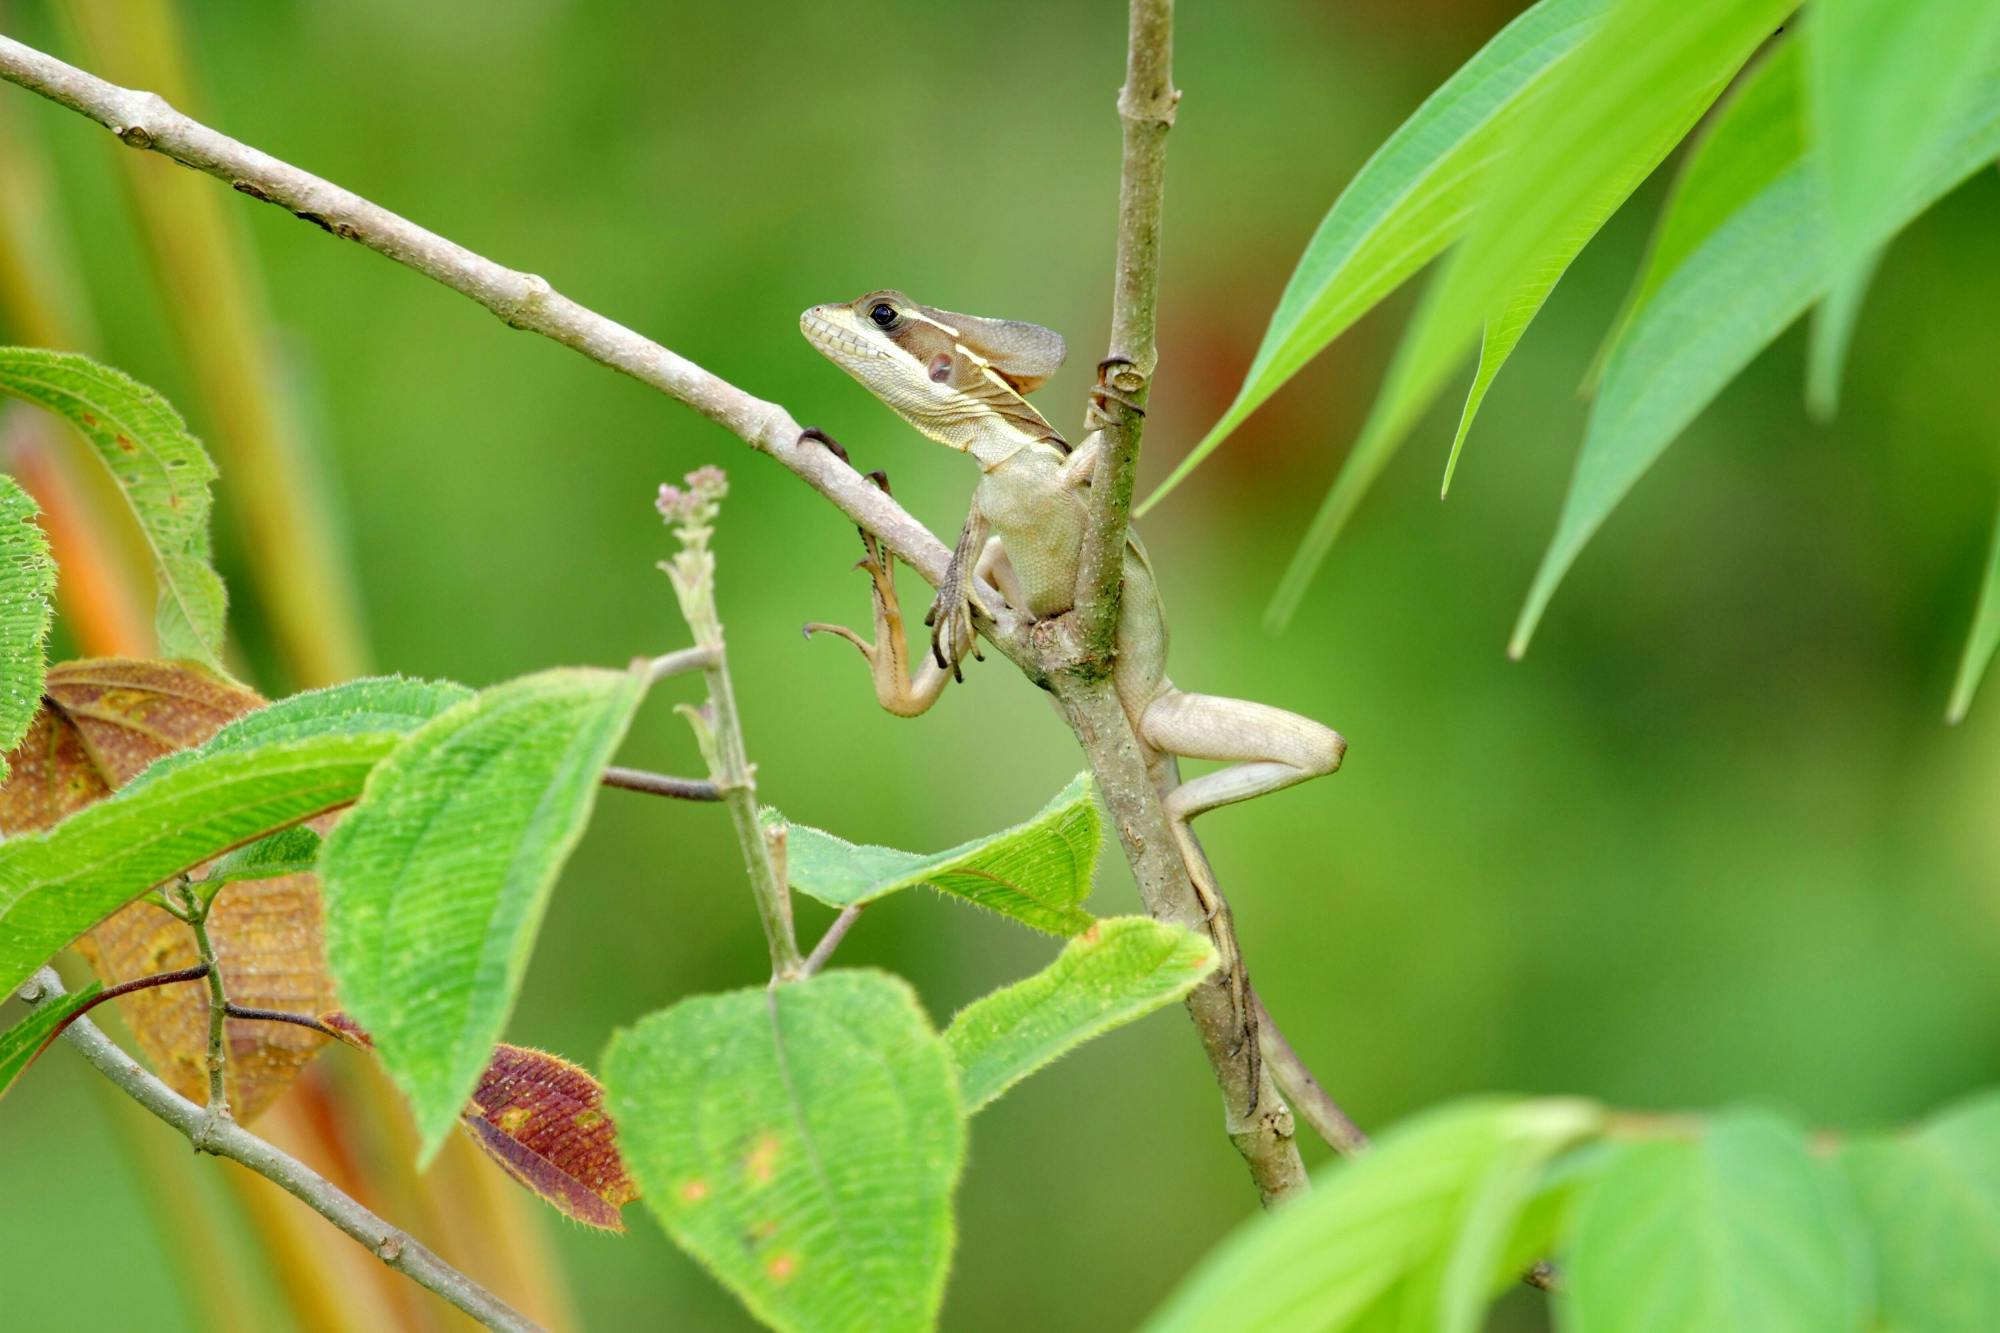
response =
{"points": [[661, 784], [195, 973], [281, 1016]]}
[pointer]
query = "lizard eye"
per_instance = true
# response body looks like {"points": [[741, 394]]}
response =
{"points": [[883, 314]]}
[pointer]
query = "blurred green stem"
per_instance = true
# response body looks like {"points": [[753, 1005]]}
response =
{"points": [[273, 493]]}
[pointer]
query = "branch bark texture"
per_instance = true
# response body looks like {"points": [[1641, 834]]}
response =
{"points": [[388, 1243]]}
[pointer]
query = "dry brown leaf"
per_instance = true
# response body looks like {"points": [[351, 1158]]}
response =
{"points": [[542, 1118], [102, 721]]}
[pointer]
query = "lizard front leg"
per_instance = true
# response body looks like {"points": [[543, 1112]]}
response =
{"points": [[950, 616]]}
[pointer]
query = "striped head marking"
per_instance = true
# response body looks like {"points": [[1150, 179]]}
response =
{"points": [[959, 379]]}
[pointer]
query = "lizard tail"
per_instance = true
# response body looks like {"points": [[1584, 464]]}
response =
{"points": [[1235, 975]]}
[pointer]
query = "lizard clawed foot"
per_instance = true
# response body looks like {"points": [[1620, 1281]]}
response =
{"points": [[1104, 393], [833, 446]]}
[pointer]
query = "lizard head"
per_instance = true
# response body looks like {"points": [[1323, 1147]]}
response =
{"points": [[957, 378]]}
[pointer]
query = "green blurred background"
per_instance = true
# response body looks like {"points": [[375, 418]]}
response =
{"points": [[1710, 842]]}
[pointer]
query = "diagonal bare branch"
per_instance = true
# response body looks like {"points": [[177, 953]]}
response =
{"points": [[391, 1245]]}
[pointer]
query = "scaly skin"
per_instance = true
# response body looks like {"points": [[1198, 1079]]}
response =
{"points": [[961, 380]]}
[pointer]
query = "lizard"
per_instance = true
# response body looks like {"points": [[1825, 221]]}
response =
{"points": [[963, 381]]}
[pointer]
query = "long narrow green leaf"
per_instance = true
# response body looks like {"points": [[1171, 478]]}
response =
{"points": [[1887, 82], [1413, 198], [1747, 278], [1386, 1235], [1037, 872], [1612, 113], [1740, 1231], [58, 884], [163, 472], [802, 1141], [19, 1043], [1983, 639], [1754, 135], [1831, 333], [1931, 1201], [437, 880], [1120, 969], [27, 582]]}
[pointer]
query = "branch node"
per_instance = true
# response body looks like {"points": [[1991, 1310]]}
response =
{"points": [[522, 312]]}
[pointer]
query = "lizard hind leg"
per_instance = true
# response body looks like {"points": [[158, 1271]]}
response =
{"points": [[1271, 748], [888, 656]]}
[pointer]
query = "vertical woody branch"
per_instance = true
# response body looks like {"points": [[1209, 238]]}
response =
{"points": [[1146, 108]]}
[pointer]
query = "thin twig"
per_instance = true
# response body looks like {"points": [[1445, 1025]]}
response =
{"points": [[526, 301], [389, 1244], [830, 941], [1315, 1105], [661, 784], [244, 1011], [679, 663], [195, 973]]}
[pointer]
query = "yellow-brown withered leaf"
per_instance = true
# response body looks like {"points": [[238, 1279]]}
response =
{"points": [[102, 721], [542, 1118]]}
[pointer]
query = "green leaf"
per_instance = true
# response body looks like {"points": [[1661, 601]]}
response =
{"points": [[58, 884], [292, 851], [1742, 1230], [1984, 638], [163, 472], [1413, 198], [1038, 872], [27, 582], [437, 880], [1120, 969], [1411, 1233], [1887, 81], [802, 1141], [373, 705], [1931, 1200], [1612, 113], [1753, 137], [20, 1044], [1749, 276]]}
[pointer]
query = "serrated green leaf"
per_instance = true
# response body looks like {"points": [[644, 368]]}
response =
{"points": [[21, 1043], [802, 1141], [1410, 200], [27, 582], [1749, 276], [163, 472], [1409, 1234], [1037, 872], [437, 880], [1742, 1230], [369, 706], [1886, 80], [1981, 642], [292, 851], [1931, 1202], [1120, 969], [58, 884], [1612, 112]]}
